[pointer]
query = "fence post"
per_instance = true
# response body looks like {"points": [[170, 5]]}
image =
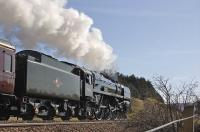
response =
{"points": [[188, 124]]}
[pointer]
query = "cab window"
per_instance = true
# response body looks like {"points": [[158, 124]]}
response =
{"points": [[7, 63], [88, 79], [122, 92]]}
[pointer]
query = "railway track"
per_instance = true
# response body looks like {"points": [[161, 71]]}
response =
{"points": [[30, 124]]}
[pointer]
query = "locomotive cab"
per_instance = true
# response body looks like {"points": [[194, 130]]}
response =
{"points": [[87, 81], [7, 68]]}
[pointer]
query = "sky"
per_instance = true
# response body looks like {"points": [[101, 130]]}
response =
{"points": [[150, 37]]}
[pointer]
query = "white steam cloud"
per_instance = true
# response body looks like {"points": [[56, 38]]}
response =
{"points": [[66, 30]]}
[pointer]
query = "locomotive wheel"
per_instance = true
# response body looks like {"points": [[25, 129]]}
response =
{"points": [[29, 112], [107, 114], [122, 116], [27, 117], [81, 115], [66, 112], [50, 112], [90, 113], [115, 115], [65, 118], [46, 118], [4, 115], [99, 114]]}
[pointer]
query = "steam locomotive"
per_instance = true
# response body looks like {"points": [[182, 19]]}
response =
{"points": [[36, 84]]}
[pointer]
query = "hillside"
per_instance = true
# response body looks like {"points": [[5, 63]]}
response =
{"points": [[140, 87]]}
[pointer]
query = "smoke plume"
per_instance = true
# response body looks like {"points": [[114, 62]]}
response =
{"points": [[49, 22]]}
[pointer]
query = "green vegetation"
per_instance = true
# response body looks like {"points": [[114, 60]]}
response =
{"points": [[140, 87]]}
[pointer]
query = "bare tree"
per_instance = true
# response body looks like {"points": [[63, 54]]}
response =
{"points": [[175, 98], [165, 89], [158, 113]]}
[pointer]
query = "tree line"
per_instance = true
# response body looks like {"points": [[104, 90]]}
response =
{"points": [[139, 87]]}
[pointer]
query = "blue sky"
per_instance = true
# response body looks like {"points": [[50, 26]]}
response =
{"points": [[150, 37]]}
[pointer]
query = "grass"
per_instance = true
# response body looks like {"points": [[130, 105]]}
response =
{"points": [[136, 107]]}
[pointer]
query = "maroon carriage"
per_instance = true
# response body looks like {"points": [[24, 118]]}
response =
{"points": [[7, 68]]}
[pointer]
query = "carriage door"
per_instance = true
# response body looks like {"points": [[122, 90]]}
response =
{"points": [[8, 72]]}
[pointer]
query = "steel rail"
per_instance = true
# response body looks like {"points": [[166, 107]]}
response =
{"points": [[170, 123], [25, 124]]}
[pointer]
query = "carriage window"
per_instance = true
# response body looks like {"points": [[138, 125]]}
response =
{"points": [[7, 63], [76, 72]]}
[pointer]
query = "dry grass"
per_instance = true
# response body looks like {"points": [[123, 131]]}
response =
{"points": [[136, 107], [36, 119]]}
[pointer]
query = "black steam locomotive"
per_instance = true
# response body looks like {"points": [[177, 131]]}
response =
{"points": [[48, 88]]}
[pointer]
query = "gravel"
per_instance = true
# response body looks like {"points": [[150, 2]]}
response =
{"points": [[102, 127]]}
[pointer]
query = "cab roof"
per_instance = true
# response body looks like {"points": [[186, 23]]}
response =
{"points": [[6, 44]]}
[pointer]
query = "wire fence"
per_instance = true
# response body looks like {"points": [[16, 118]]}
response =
{"points": [[173, 122]]}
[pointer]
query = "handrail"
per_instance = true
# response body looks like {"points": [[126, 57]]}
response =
{"points": [[170, 123]]}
